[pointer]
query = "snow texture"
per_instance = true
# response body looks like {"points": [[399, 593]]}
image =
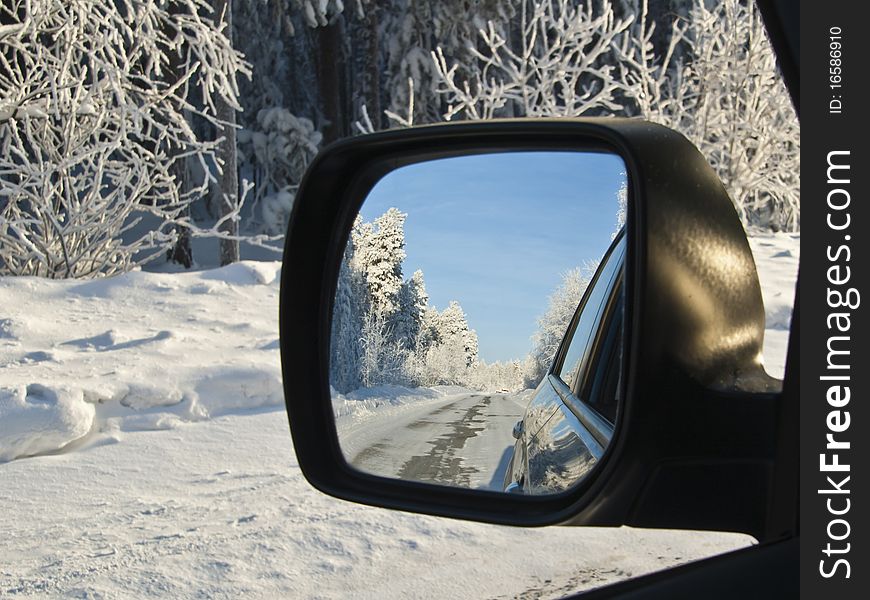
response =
{"points": [[169, 357], [37, 419]]}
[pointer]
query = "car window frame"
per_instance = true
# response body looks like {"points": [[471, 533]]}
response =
{"points": [[605, 352], [568, 338]]}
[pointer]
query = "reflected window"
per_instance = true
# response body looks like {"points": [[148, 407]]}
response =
{"points": [[589, 315], [602, 388]]}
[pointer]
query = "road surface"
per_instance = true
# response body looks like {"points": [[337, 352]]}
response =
{"points": [[463, 440]]}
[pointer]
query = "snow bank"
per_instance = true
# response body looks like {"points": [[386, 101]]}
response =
{"points": [[220, 509], [379, 399], [134, 352], [365, 401], [250, 387], [246, 272], [776, 257], [216, 505], [36, 419]]}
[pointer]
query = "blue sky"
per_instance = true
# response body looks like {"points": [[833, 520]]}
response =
{"points": [[497, 231]]}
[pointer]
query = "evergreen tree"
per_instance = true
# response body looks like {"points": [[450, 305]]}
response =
{"points": [[348, 310], [379, 249], [453, 328], [413, 301]]}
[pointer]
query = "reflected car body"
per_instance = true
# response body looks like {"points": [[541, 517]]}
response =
{"points": [[570, 419]]}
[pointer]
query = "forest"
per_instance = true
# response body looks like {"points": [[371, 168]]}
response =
{"points": [[130, 128]]}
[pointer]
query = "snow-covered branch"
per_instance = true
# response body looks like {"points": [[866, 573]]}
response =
{"points": [[714, 79], [558, 69], [94, 120]]}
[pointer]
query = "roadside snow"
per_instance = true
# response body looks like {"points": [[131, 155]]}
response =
{"points": [[221, 510], [359, 405], [776, 257], [36, 419], [150, 405], [133, 352]]}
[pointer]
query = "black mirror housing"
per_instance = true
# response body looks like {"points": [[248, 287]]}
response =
{"points": [[692, 447]]}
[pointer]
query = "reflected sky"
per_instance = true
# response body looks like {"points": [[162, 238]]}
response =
{"points": [[497, 231]]}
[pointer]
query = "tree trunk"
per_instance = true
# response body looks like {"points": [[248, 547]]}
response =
{"points": [[329, 64], [181, 252], [373, 68], [228, 180]]}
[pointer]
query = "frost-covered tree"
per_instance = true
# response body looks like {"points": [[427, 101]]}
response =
{"points": [[379, 249], [383, 356], [450, 356], [429, 334], [711, 76], [444, 364], [413, 302], [492, 377], [275, 152], [621, 209], [741, 114], [91, 129], [651, 80], [264, 33], [452, 326], [412, 30], [559, 67], [226, 154], [553, 324], [383, 328], [350, 305]]}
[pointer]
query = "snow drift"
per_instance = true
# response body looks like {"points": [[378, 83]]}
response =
{"points": [[141, 351]]}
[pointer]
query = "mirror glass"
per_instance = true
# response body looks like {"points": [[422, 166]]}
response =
{"points": [[460, 280]]}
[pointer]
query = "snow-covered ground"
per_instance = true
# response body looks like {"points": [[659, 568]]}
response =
{"points": [[776, 257], [160, 462]]}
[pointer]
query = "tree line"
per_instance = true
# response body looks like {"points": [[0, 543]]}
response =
{"points": [[129, 127]]}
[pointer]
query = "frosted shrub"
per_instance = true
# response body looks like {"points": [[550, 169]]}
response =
{"points": [[94, 107], [559, 68], [382, 358], [496, 376], [276, 155], [742, 116], [445, 364]]}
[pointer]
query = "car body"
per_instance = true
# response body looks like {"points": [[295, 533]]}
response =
{"points": [[570, 418]]}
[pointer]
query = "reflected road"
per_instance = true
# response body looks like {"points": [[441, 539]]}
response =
{"points": [[464, 440]]}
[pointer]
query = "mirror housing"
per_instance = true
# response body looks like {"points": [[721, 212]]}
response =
{"points": [[517, 430], [695, 443]]}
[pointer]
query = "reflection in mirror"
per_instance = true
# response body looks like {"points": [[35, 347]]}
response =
{"points": [[459, 282]]}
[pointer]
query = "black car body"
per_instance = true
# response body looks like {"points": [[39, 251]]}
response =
{"points": [[570, 419]]}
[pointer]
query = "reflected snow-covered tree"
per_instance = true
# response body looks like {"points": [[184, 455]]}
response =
{"points": [[384, 330]]}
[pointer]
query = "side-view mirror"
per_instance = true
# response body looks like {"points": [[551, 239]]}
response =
{"points": [[418, 264], [517, 431]]}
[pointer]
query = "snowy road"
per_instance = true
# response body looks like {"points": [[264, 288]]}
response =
{"points": [[463, 440]]}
